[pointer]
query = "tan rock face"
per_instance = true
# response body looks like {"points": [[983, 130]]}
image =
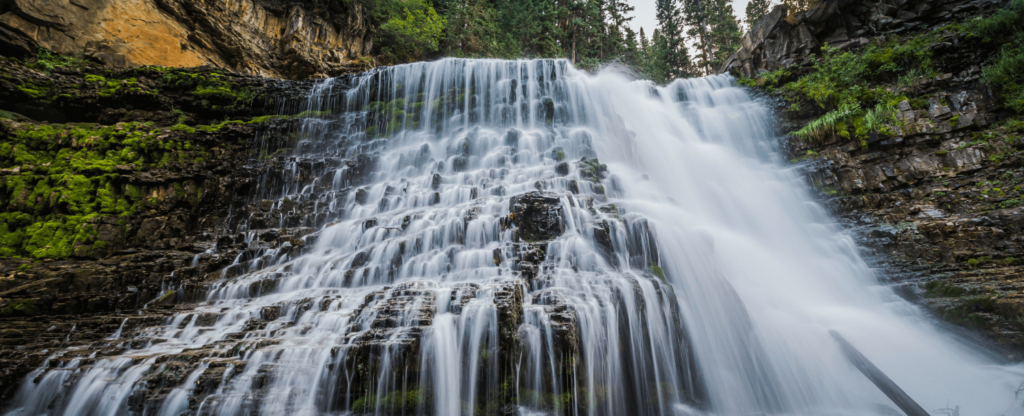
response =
{"points": [[249, 36]]}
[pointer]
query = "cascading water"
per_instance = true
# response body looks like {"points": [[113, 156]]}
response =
{"points": [[474, 257]]}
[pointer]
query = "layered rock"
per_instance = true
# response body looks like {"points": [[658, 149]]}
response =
{"points": [[286, 39], [937, 201], [777, 42], [169, 224]]}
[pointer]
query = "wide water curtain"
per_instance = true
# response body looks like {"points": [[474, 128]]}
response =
{"points": [[520, 237]]}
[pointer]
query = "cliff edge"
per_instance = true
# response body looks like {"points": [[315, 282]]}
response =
{"points": [[271, 38]]}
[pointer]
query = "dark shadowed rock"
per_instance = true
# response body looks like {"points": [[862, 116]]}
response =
{"points": [[537, 216]]}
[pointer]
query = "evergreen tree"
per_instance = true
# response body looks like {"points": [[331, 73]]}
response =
{"points": [[724, 33], [794, 7], [669, 42], [695, 17], [756, 9], [716, 30]]}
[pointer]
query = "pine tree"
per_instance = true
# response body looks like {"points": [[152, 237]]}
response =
{"points": [[619, 13], [669, 41], [724, 33], [695, 17], [794, 7], [756, 9]]}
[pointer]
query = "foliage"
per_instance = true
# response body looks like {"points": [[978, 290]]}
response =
{"points": [[68, 177], [47, 61], [668, 55], [593, 170], [795, 7], [210, 87], [842, 83], [1001, 27], [939, 289], [724, 33], [1006, 74], [830, 121], [756, 9], [413, 37]]}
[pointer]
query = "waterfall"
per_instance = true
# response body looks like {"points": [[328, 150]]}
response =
{"points": [[521, 237]]}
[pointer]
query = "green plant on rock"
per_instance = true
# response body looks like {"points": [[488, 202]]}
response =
{"points": [[1006, 73], [210, 86], [22, 307], [419, 33], [69, 179], [658, 272], [828, 123], [593, 170], [47, 61], [939, 289]]}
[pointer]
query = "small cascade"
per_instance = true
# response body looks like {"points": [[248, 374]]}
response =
{"points": [[483, 237]]}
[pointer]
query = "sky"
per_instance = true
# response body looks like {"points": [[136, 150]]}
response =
{"points": [[644, 15]]}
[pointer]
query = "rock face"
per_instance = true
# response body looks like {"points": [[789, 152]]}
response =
{"points": [[938, 202], [775, 42], [174, 225], [286, 39]]}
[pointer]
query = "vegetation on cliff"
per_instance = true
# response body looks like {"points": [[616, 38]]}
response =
{"points": [[1006, 73], [859, 90], [59, 181]]}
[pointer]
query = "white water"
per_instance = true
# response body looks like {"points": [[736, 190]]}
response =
{"points": [[759, 272]]}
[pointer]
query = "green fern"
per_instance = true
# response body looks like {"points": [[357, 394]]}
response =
{"points": [[825, 124], [878, 118]]}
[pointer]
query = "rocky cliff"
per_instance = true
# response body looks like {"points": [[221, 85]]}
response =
{"points": [[936, 195], [271, 38], [121, 188]]}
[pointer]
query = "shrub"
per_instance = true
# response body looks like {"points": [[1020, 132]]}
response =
{"points": [[411, 38], [1006, 73]]}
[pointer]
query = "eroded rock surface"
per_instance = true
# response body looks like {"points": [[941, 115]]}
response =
{"points": [[937, 201], [287, 39]]}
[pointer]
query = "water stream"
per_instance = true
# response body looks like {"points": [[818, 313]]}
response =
{"points": [[520, 237]]}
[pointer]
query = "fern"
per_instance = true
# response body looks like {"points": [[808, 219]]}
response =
{"points": [[827, 123], [879, 117]]}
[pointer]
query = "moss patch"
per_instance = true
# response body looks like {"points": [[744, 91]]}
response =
{"points": [[66, 177]]}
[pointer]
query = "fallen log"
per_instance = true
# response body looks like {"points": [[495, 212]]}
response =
{"points": [[883, 382]]}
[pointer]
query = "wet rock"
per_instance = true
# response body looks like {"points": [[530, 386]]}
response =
{"points": [[562, 168], [537, 216], [435, 181]]}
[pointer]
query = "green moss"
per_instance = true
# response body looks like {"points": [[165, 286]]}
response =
{"points": [[47, 61], [768, 81], [969, 311], [559, 155], [592, 170], [22, 307], [397, 401], [183, 128], [937, 289], [262, 119], [657, 271], [215, 128], [210, 87], [69, 178]]}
